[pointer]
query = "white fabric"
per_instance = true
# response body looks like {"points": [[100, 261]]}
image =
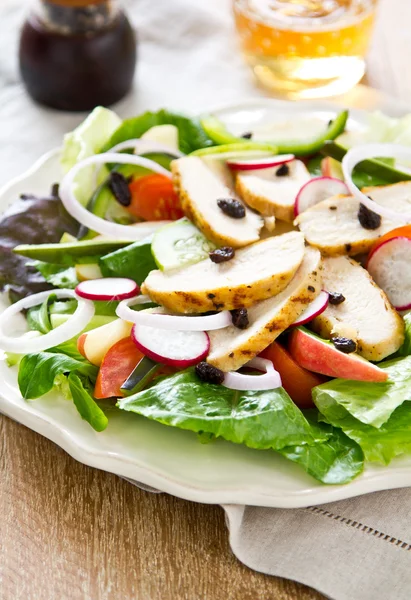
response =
{"points": [[189, 59]]}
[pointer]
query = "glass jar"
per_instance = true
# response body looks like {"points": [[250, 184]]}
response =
{"points": [[77, 54]]}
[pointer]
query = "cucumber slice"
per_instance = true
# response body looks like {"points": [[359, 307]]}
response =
{"points": [[163, 134], [70, 253], [179, 244], [142, 374]]}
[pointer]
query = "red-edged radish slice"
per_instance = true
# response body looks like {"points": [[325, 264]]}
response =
{"points": [[108, 289], [315, 308], [316, 190], [177, 349], [389, 266], [239, 381], [255, 164], [73, 326], [360, 153]]}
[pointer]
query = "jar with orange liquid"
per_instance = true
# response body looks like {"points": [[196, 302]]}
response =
{"points": [[306, 48]]}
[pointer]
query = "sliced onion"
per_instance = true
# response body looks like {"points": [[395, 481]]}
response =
{"points": [[145, 147], [269, 381], [73, 326], [357, 155], [85, 217], [161, 320]]}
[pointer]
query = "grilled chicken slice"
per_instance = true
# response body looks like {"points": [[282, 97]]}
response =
{"points": [[231, 347], [333, 227], [199, 189], [365, 312], [272, 194], [255, 273]]}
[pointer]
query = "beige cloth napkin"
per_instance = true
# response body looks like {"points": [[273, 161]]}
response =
{"points": [[353, 550]]}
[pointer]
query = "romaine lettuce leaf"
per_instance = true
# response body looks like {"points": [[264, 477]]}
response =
{"points": [[88, 139], [264, 419], [405, 349], [191, 136], [82, 394], [57, 275], [370, 403]]}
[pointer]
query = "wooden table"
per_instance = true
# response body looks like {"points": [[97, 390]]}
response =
{"points": [[68, 531]]}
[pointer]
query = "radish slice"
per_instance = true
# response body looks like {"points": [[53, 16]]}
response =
{"points": [[389, 266], [178, 349], [256, 164], [269, 381], [355, 156], [315, 308], [145, 147], [316, 190], [107, 288], [73, 326], [95, 223], [158, 318]]}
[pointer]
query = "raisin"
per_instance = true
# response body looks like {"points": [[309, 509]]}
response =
{"points": [[345, 345], [232, 207], [332, 207], [335, 299], [239, 317], [367, 218], [247, 135], [283, 171], [209, 374], [118, 184], [221, 255]]}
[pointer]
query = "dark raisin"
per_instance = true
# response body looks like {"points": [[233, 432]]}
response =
{"points": [[345, 344], [209, 374], [334, 298], [221, 255], [239, 317], [283, 171], [247, 135], [232, 207], [367, 218], [332, 207], [118, 184], [311, 288], [55, 190]]}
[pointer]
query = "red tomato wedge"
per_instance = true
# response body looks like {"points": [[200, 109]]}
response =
{"points": [[297, 382], [118, 363], [404, 231], [153, 198]]}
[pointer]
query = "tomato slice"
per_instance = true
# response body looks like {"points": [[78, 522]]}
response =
{"points": [[297, 381], [404, 231], [118, 363], [153, 198]]}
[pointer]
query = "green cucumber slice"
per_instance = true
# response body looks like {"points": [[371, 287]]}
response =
{"points": [[179, 244]]}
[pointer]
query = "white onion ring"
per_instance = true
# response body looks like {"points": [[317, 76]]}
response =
{"points": [[245, 383], [145, 146], [171, 322], [73, 326], [83, 216], [357, 155]]}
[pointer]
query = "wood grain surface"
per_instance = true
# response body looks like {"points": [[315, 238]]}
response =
{"points": [[71, 532]]}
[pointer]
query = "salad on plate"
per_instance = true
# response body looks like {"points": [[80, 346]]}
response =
{"points": [[253, 287]]}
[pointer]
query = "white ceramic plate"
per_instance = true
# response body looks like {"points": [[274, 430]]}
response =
{"points": [[169, 459]]}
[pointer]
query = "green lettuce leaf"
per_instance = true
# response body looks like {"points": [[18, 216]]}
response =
{"points": [[370, 403], [58, 275], [266, 419], [191, 136], [392, 439], [82, 392], [37, 372], [134, 261], [88, 139], [405, 349], [38, 317]]}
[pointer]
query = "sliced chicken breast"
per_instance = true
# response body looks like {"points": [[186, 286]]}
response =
{"points": [[255, 273], [365, 312], [333, 227], [231, 347], [199, 189], [270, 193]]}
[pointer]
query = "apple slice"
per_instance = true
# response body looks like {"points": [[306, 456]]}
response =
{"points": [[88, 271], [320, 356], [94, 344], [255, 164], [332, 168]]}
